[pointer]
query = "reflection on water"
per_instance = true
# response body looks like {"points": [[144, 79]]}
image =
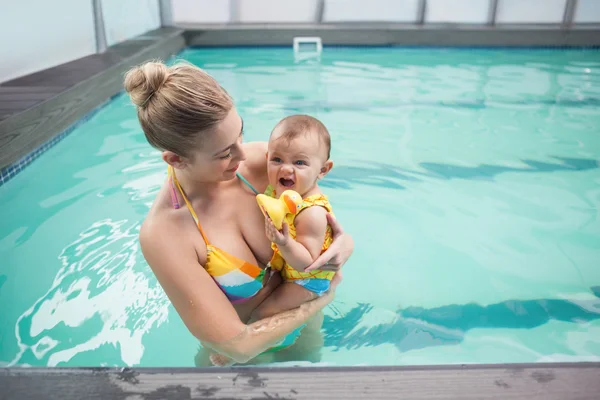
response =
{"points": [[98, 297]]}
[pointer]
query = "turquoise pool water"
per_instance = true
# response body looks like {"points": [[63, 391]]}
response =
{"points": [[470, 180]]}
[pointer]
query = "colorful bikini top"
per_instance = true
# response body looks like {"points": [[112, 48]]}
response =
{"points": [[238, 279]]}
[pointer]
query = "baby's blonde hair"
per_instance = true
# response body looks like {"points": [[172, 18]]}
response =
{"points": [[293, 126], [176, 104]]}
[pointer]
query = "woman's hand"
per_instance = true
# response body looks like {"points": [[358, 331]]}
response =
{"points": [[337, 279], [338, 252]]}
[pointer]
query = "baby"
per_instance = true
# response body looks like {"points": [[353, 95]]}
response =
{"points": [[297, 157]]}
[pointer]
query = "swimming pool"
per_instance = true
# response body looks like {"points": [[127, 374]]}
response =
{"points": [[470, 180]]}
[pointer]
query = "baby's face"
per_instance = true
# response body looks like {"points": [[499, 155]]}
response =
{"points": [[296, 164]]}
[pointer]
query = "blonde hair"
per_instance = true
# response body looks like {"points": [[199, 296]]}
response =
{"points": [[176, 104], [293, 126]]}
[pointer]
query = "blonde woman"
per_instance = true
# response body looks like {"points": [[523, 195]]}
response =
{"points": [[204, 236]]}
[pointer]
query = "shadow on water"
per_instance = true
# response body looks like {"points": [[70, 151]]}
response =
{"points": [[390, 176], [417, 327]]}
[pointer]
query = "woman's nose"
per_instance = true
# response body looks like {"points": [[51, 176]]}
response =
{"points": [[241, 155]]}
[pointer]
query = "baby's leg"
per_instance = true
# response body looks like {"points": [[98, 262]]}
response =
{"points": [[287, 296]]}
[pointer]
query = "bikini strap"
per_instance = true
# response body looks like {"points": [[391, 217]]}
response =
{"points": [[175, 182], [247, 183]]}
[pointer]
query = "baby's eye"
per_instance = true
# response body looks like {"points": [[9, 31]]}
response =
{"points": [[225, 156], [300, 162], [276, 159]]}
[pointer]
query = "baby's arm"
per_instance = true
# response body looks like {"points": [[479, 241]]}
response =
{"points": [[311, 227]]}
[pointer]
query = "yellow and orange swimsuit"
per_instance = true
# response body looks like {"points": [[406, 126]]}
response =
{"points": [[316, 281]]}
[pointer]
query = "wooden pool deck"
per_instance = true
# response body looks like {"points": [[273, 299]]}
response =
{"points": [[574, 381], [37, 107]]}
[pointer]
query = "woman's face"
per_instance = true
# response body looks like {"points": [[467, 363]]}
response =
{"points": [[220, 152]]}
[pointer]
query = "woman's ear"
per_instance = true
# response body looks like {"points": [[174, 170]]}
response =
{"points": [[174, 160], [325, 169]]}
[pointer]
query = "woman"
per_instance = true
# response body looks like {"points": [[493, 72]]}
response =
{"points": [[204, 236]]}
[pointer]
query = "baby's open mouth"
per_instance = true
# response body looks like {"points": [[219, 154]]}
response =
{"points": [[286, 182]]}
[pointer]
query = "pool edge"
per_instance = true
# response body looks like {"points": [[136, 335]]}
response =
{"points": [[394, 34], [497, 381], [27, 133]]}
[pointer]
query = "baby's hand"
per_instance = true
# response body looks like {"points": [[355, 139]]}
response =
{"points": [[279, 238]]}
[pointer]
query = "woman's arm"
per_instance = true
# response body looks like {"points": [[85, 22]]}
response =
{"points": [[203, 307], [266, 333]]}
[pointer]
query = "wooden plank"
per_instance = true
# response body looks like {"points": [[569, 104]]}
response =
{"points": [[577, 381], [30, 89], [25, 96], [15, 99], [92, 80], [17, 103]]}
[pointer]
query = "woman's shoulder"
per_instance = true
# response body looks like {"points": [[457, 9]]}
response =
{"points": [[256, 153], [164, 240], [162, 222], [155, 227], [255, 165]]}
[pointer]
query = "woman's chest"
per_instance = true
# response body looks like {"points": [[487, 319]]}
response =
{"points": [[235, 225]]}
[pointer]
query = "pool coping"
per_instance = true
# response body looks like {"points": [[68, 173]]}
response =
{"points": [[395, 34], [472, 381]]}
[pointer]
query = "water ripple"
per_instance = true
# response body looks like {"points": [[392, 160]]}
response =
{"points": [[100, 289]]}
